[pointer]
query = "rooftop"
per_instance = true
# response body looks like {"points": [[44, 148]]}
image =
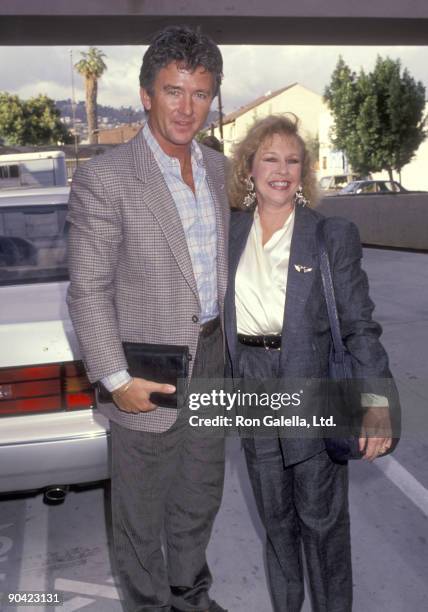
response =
{"points": [[244, 109]]}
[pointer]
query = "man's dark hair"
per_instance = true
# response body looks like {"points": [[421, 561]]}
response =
{"points": [[184, 45]]}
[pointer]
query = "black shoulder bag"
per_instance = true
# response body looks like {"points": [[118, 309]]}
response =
{"points": [[340, 367]]}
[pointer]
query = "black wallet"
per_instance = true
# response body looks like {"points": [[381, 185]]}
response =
{"points": [[162, 363]]}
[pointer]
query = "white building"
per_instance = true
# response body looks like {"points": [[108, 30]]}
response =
{"points": [[331, 161], [295, 98], [414, 175], [316, 123]]}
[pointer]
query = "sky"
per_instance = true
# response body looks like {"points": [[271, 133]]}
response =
{"points": [[249, 70]]}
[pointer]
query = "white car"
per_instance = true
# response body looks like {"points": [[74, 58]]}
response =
{"points": [[51, 434]]}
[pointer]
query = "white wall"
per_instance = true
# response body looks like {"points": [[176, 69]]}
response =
{"points": [[304, 103]]}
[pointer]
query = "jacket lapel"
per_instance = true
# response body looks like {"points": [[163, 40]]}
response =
{"points": [[240, 227], [217, 190], [158, 199], [299, 283]]}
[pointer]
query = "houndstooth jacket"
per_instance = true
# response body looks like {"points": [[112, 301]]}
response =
{"points": [[131, 276]]}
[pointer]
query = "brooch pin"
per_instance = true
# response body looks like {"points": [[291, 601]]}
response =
{"points": [[300, 268]]}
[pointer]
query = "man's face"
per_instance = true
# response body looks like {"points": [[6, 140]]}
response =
{"points": [[179, 104]]}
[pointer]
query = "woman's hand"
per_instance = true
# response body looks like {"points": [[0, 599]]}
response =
{"points": [[376, 433]]}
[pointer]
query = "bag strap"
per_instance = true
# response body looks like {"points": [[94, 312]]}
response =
{"points": [[329, 292]]}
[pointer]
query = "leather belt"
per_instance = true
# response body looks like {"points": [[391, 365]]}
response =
{"points": [[209, 327], [267, 342]]}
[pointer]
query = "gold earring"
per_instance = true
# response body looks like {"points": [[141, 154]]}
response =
{"points": [[250, 197], [299, 197]]}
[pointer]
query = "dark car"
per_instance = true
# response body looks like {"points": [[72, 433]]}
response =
{"points": [[372, 187], [330, 185]]}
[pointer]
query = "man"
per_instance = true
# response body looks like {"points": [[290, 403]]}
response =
{"points": [[147, 248]]}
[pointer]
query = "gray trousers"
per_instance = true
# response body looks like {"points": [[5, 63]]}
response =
{"points": [[169, 483], [305, 504]]}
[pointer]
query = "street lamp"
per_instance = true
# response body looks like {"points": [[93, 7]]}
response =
{"points": [[73, 110]]}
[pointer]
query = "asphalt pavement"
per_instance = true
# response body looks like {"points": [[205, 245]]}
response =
{"points": [[67, 548]]}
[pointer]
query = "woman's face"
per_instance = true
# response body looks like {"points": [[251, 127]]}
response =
{"points": [[277, 171]]}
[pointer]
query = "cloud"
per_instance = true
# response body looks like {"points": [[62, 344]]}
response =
{"points": [[249, 70], [121, 81], [49, 88], [33, 70]]}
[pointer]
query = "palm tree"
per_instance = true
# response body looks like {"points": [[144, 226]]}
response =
{"points": [[91, 67]]}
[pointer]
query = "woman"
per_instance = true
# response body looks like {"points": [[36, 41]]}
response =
{"points": [[277, 327]]}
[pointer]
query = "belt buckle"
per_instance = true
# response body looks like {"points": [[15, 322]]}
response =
{"points": [[270, 348]]}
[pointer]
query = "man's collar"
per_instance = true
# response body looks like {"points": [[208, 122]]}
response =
{"points": [[167, 161]]}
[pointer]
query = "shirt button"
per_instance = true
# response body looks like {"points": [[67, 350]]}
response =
{"points": [[195, 319]]}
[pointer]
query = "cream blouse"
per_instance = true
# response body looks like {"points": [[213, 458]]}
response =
{"points": [[261, 280]]}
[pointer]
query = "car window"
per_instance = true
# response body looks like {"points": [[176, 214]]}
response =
{"points": [[350, 188], [367, 188], [33, 245], [340, 181]]}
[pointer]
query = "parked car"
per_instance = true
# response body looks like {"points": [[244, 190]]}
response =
{"points": [[51, 433], [372, 187], [330, 185], [41, 169]]}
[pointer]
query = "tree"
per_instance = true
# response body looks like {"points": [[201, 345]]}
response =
{"points": [[31, 122], [91, 67], [379, 116]]}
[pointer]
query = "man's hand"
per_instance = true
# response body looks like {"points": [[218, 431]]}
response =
{"points": [[376, 434], [136, 398]]}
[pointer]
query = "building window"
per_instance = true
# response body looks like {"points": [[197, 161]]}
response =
{"points": [[9, 171]]}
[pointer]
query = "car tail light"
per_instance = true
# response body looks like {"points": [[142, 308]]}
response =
{"points": [[45, 388]]}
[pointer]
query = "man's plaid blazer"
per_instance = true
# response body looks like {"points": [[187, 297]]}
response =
{"points": [[130, 269]]}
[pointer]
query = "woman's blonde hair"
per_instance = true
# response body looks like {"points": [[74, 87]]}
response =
{"points": [[244, 152]]}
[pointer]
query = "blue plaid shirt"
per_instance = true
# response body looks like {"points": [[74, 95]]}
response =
{"points": [[197, 214]]}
